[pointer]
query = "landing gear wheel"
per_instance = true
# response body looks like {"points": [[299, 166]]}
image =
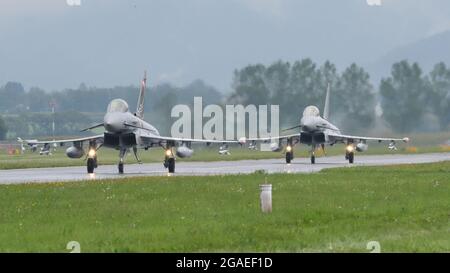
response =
{"points": [[171, 163], [313, 159], [289, 157], [351, 157], [90, 165], [95, 162], [120, 168]]}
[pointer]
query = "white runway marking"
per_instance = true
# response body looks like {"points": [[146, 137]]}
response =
{"points": [[299, 165]]}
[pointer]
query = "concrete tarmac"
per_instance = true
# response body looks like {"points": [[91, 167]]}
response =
{"points": [[299, 165]]}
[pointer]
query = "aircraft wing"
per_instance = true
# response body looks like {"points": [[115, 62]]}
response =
{"points": [[268, 139], [158, 139], [155, 138], [343, 138], [333, 137], [32, 142]]}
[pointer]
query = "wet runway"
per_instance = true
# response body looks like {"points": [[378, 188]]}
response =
{"points": [[299, 165]]}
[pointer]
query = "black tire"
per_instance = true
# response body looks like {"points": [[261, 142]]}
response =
{"points": [[289, 157], [171, 162], [313, 159], [351, 157], [120, 168], [95, 163], [90, 165]]}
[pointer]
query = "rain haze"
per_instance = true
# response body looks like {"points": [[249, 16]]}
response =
{"points": [[105, 43], [168, 126]]}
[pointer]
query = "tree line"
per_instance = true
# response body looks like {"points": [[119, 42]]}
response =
{"points": [[408, 99], [28, 113]]}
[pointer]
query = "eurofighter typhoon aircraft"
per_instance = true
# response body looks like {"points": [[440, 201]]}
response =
{"points": [[317, 131], [124, 131]]}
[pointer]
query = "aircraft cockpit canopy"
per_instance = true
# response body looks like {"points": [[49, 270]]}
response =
{"points": [[118, 105], [311, 111]]}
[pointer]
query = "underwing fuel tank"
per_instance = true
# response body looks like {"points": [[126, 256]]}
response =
{"points": [[362, 147], [275, 147], [184, 151], [74, 152]]}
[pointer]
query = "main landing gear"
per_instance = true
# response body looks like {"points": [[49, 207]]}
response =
{"points": [[91, 163], [289, 151], [350, 153], [289, 154], [169, 160]]}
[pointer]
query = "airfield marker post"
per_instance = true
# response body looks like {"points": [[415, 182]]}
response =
{"points": [[266, 197]]}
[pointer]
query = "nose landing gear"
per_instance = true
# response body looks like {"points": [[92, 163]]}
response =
{"points": [[122, 154], [313, 154], [313, 158]]}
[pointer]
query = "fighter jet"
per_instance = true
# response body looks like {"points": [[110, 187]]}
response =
{"points": [[124, 131], [318, 131]]}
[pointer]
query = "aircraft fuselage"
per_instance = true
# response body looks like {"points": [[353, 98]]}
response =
{"points": [[314, 128], [123, 129]]}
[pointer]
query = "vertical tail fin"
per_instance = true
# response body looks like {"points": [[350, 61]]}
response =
{"points": [[140, 103], [326, 108]]}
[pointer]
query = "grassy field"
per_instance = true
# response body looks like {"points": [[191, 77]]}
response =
{"points": [[422, 143], [405, 208]]}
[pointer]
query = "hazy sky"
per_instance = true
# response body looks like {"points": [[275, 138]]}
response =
{"points": [[50, 44]]}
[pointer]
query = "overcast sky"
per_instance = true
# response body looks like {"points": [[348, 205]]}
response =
{"points": [[104, 43]]}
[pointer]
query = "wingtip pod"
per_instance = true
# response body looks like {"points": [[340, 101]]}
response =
{"points": [[406, 139]]}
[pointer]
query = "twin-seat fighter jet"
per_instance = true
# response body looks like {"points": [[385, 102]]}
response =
{"points": [[317, 131], [124, 131]]}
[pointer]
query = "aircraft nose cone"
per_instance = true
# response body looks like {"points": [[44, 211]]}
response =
{"points": [[112, 123]]}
